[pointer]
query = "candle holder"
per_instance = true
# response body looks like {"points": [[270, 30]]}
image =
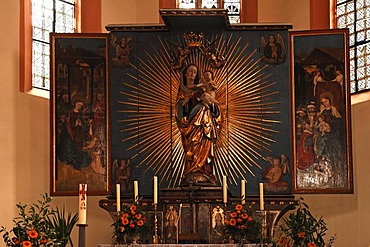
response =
{"points": [[264, 225], [155, 236], [82, 235]]}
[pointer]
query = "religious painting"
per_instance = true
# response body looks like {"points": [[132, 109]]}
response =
{"points": [[322, 155], [199, 103], [79, 114]]}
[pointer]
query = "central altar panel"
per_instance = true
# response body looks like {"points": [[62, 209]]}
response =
{"points": [[248, 123]]}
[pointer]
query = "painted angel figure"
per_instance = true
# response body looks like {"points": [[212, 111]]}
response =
{"points": [[274, 49], [274, 174], [122, 50]]}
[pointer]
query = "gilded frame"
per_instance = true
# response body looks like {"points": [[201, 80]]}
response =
{"points": [[79, 114], [321, 119]]}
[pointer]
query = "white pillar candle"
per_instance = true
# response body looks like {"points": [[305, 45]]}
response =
{"points": [[224, 188], [155, 199], [136, 191], [118, 197], [242, 191], [262, 203], [82, 207]]}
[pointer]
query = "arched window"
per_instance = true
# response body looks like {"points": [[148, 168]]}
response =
{"points": [[232, 6], [355, 14]]}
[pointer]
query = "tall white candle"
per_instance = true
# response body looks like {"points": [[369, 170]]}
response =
{"points": [[262, 203], [136, 191], [155, 196], [224, 188], [242, 191], [82, 207], [118, 197]]}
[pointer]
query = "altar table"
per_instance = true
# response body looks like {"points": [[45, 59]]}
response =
{"points": [[186, 245]]}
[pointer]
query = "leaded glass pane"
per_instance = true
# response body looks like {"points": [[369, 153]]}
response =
{"points": [[350, 7], [360, 36], [48, 16], [64, 17], [353, 87], [40, 65], [209, 4], [187, 4], [233, 10], [340, 1]]}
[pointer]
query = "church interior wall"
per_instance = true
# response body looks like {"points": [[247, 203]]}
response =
{"points": [[25, 139]]}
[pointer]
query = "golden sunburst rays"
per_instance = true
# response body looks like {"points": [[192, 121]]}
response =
{"points": [[245, 96]]}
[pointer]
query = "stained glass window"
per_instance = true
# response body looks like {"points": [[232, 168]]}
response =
{"points": [[354, 15], [232, 7], [48, 16]]}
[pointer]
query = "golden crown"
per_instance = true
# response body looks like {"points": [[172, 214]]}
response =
{"points": [[193, 40]]}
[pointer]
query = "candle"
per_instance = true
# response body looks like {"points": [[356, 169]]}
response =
{"points": [[155, 190], [136, 191], [82, 204], [242, 191], [118, 197], [224, 188], [262, 206]]}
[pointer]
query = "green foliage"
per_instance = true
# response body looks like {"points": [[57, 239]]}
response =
{"points": [[31, 226], [242, 226], [63, 224], [130, 223], [40, 225], [301, 228]]}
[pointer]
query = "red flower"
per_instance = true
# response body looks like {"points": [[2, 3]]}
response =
{"points": [[250, 218], [282, 241], [301, 234], [140, 223], [43, 240], [312, 244], [138, 216], [122, 229], [238, 207], [26, 243], [244, 216], [132, 207], [32, 234], [232, 222], [125, 221], [16, 240], [233, 215], [239, 220], [132, 225], [133, 212]]}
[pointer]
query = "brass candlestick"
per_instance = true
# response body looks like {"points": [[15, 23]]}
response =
{"points": [[155, 237]]}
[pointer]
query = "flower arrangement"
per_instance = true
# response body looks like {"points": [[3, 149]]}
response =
{"points": [[242, 226], [129, 224], [302, 229], [31, 226]]}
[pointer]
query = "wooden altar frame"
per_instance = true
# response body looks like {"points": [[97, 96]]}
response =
{"points": [[322, 153], [80, 147]]}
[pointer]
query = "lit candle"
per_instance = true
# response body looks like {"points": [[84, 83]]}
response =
{"points": [[262, 206], [82, 204], [155, 200], [242, 191], [118, 197], [224, 188], [136, 191]]}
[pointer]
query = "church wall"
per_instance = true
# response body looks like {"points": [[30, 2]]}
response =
{"points": [[24, 134]]}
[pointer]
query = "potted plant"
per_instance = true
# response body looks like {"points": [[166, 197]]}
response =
{"points": [[31, 227], [129, 224], [39, 224], [242, 226], [63, 224], [302, 229]]}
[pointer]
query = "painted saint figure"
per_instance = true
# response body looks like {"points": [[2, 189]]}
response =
{"points": [[198, 125]]}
